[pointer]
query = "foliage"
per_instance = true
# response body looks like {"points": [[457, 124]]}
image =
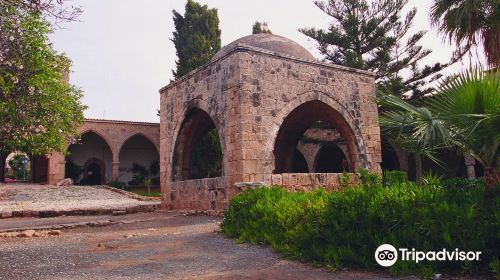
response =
{"points": [[143, 175], [196, 37], [53, 9], [138, 174], [432, 179], [39, 110], [375, 37], [463, 183], [470, 106], [368, 178], [117, 184], [463, 114], [413, 129], [16, 164], [206, 159], [469, 23], [260, 27], [344, 179], [343, 229], [149, 194], [72, 170], [394, 177]]}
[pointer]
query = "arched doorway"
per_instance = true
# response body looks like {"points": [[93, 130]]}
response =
{"points": [[331, 159], [305, 116], [94, 172], [18, 167], [198, 151], [90, 156], [138, 155]]}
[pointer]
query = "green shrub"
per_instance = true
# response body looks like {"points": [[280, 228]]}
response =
{"points": [[340, 229], [117, 184], [463, 183], [394, 177], [369, 179]]}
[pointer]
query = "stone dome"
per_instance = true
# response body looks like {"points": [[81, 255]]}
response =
{"points": [[268, 42]]}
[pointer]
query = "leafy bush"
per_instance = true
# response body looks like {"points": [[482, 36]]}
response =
{"points": [[117, 184], [394, 177], [463, 183], [339, 229], [368, 178]]}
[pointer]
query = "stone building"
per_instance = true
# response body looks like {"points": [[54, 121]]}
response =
{"points": [[106, 151], [260, 94]]}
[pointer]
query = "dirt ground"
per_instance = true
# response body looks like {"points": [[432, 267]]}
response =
{"points": [[170, 246]]}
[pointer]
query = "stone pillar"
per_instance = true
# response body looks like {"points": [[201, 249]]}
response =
{"points": [[56, 167], [115, 170], [470, 161]]}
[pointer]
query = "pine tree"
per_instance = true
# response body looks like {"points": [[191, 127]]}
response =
{"points": [[376, 37], [260, 27], [196, 37]]}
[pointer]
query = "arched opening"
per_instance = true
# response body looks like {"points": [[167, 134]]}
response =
{"points": [[299, 163], [139, 160], [89, 161], [390, 159], [94, 171], [331, 159], [313, 114], [17, 167], [197, 152]]}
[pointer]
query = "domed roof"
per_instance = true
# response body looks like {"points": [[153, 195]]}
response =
{"points": [[269, 42]]}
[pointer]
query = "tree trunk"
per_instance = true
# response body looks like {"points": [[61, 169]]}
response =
{"points": [[3, 157], [492, 179], [418, 169]]}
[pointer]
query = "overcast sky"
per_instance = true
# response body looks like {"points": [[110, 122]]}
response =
{"points": [[122, 53]]}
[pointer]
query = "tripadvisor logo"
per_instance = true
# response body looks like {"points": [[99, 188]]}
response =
{"points": [[387, 255]]}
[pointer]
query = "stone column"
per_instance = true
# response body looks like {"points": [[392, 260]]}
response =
{"points": [[470, 161], [56, 167], [115, 170]]}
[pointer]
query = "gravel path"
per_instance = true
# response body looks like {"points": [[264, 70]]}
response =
{"points": [[171, 246], [32, 197]]}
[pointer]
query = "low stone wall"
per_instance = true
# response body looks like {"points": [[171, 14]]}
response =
{"points": [[312, 181], [200, 194], [211, 195]]}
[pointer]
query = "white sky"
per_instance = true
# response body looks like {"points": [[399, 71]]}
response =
{"points": [[122, 53]]}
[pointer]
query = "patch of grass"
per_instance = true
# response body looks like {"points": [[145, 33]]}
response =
{"points": [[343, 229], [145, 193]]}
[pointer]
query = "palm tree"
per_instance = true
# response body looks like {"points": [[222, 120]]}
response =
{"points": [[470, 106], [413, 129], [464, 113], [469, 23]]}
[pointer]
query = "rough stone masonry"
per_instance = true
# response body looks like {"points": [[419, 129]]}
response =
{"points": [[261, 93]]}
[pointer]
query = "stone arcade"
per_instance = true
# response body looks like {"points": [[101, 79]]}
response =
{"points": [[106, 151], [261, 93]]}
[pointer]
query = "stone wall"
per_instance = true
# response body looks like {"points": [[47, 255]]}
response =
{"points": [[248, 94], [201, 194], [115, 134], [312, 181]]}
